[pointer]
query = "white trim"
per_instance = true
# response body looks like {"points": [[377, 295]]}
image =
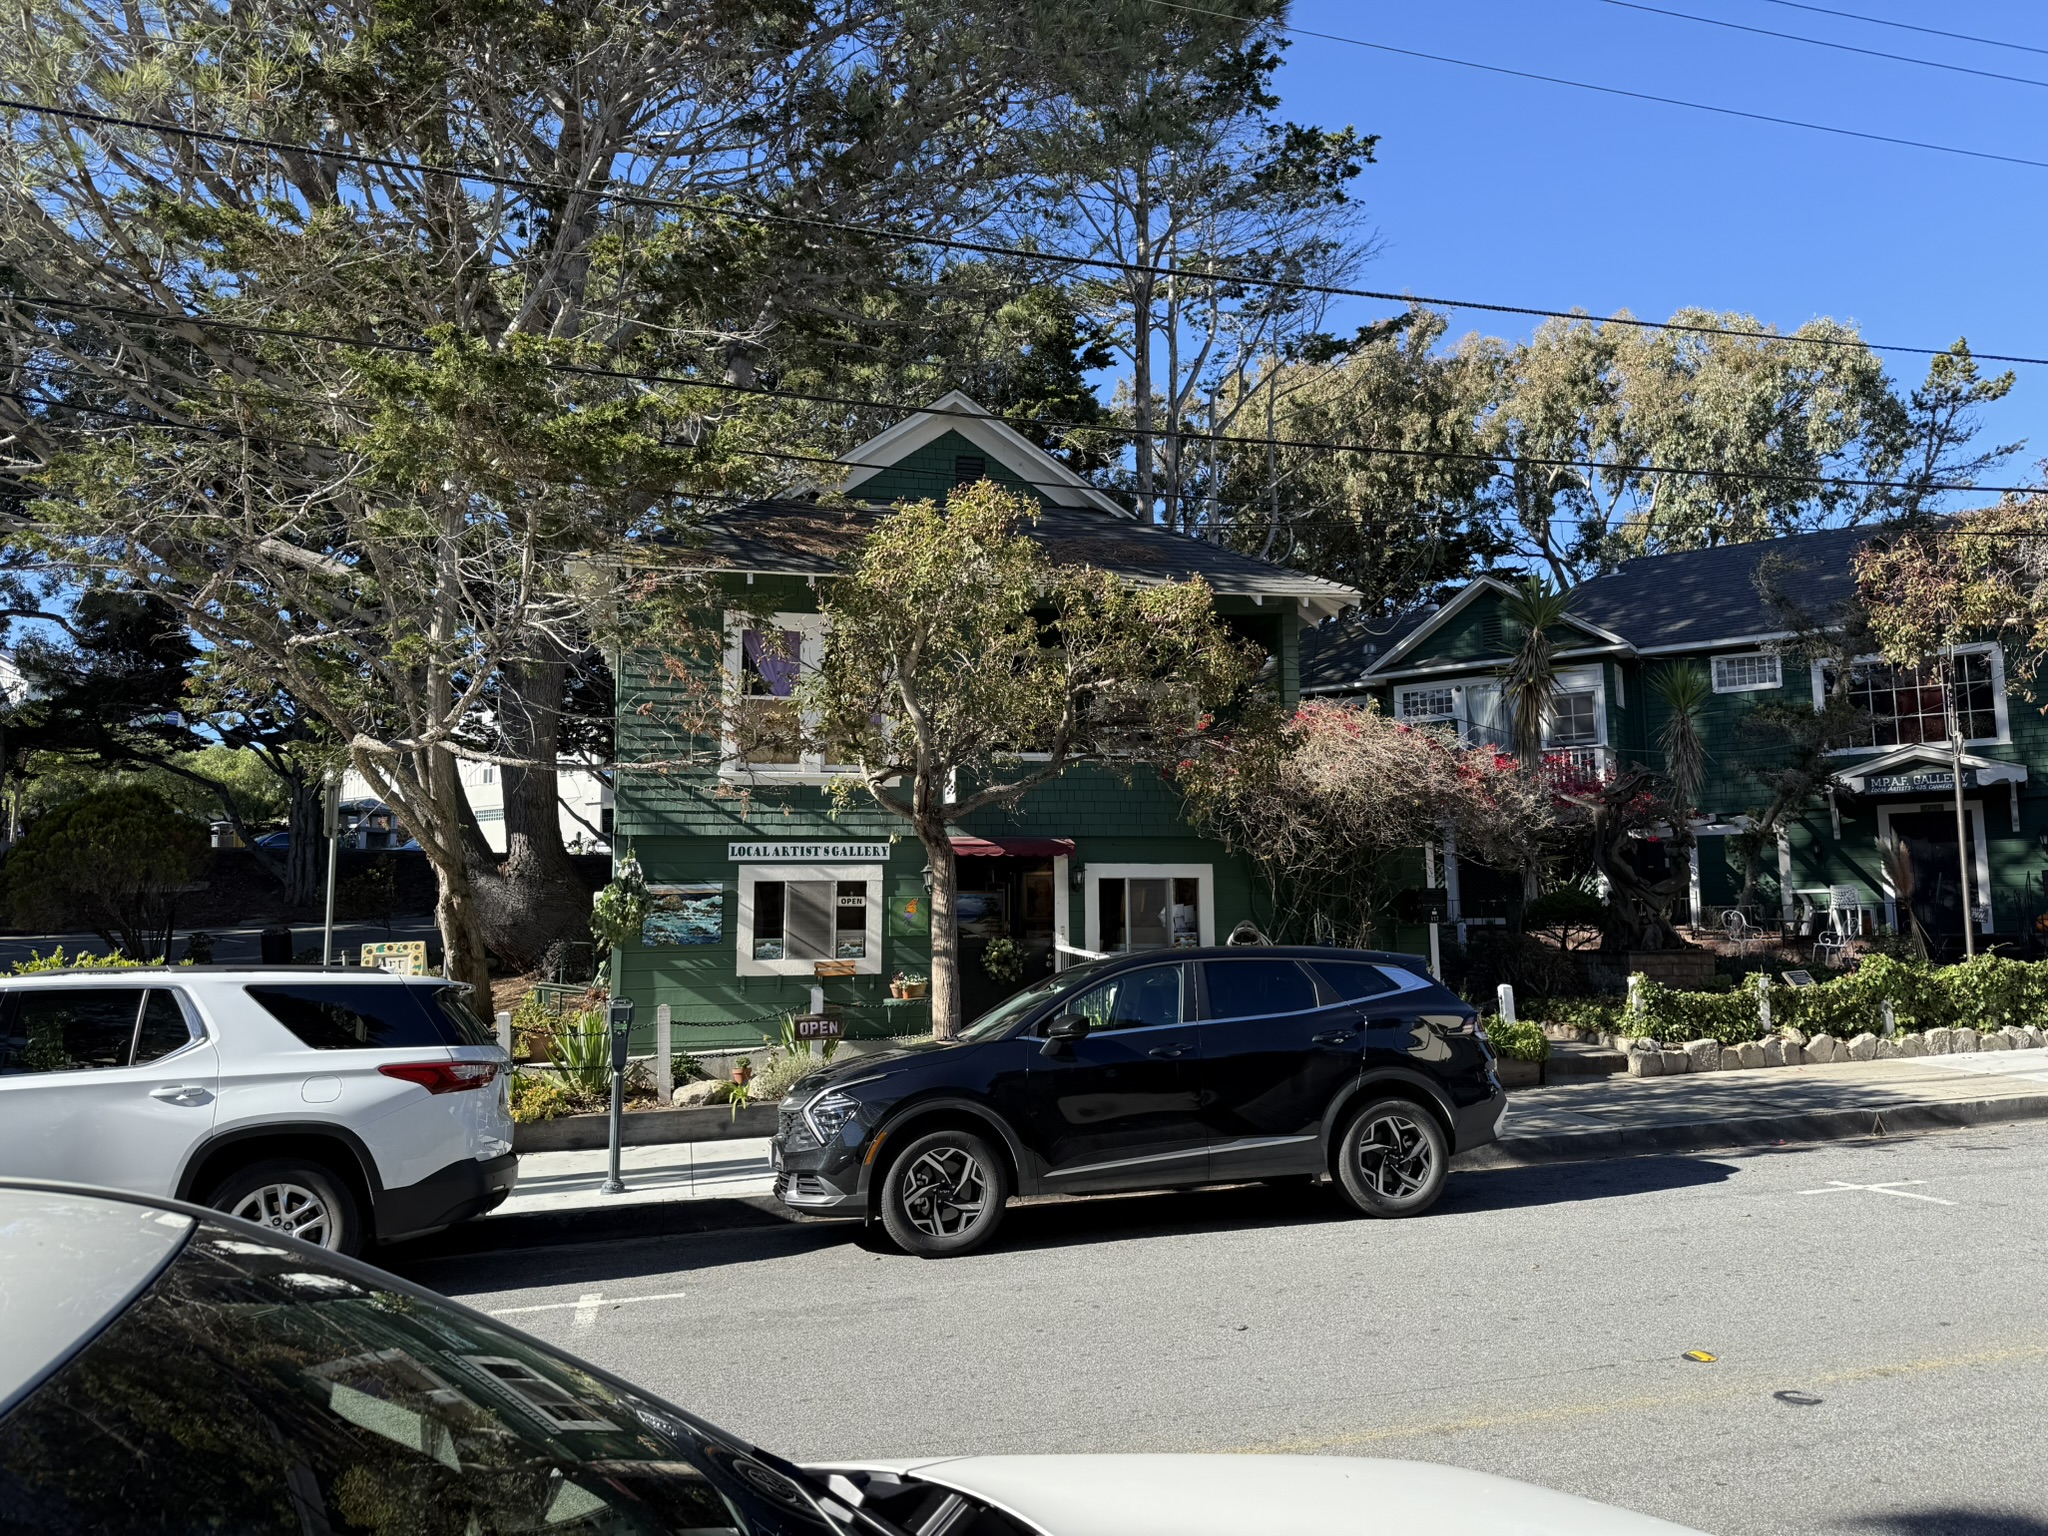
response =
{"points": [[1471, 590], [1586, 653], [1709, 642], [1980, 877], [1091, 896], [1062, 884], [994, 437], [1777, 671], [1998, 699], [748, 875]]}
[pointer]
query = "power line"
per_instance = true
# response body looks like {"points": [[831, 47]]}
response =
{"points": [[1185, 435], [1907, 26], [1668, 101], [1221, 273], [1817, 42]]}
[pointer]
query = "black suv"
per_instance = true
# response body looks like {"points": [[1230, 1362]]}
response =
{"points": [[1204, 1066]]}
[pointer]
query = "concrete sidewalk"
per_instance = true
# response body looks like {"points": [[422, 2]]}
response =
{"points": [[1631, 1116], [713, 1185]]}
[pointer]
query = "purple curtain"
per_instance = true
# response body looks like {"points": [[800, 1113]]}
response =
{"points": [[775, 654]]}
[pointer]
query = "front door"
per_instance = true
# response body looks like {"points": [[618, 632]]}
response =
{"points": [[102, 1085], [1280, 1040], [1118, 1109], [1935, 898], [1010, 899]]}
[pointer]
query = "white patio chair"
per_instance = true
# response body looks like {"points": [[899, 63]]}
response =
{"points": [[1740, 930]]}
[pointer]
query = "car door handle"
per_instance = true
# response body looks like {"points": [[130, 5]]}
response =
{"points": [[178, 1093], [1168, 1052], [1334, 1037]]}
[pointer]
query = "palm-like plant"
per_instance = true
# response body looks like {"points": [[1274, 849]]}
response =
{"points": [[1529, 680], [1683, 690]]}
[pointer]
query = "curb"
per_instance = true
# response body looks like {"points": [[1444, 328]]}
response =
{"points": [[1753, 1131], [555, 1229]]}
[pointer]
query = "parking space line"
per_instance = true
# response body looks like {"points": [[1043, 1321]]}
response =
{"points": [[585, 1306]]}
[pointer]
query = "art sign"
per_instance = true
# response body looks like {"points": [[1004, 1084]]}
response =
{"points": [[1933, 781], [808, 853], [406, 957]]}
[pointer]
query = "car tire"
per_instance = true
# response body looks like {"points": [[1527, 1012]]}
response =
{"points": [[1392, 1158], [294, 1199], [944, 1194]]}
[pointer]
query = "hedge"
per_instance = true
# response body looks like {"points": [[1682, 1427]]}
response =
{"points": [[1985, 993]]}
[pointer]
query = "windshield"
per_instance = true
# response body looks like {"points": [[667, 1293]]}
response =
{"points": [[999, 1019], [254, 1388]]}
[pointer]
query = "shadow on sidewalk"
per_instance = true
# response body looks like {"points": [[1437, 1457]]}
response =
{"points": [[1953, 1522]]}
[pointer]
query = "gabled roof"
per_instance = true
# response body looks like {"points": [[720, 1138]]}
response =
{"points": [[808, 538], [1655, 604], [956, 412]]}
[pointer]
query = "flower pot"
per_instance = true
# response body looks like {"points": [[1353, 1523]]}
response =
{"points": [[742, 1073], [914, 988]]}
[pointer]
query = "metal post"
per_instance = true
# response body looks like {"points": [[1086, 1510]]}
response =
{"points": [[1504, 996], [1963, 849], [664, 1055], [330, 809], [621, 1020]]}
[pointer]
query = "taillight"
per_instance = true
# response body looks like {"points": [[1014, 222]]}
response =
{"points": [[443, 1076]]}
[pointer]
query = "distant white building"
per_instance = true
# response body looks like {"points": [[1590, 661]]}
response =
{"points": [[584, 796]]}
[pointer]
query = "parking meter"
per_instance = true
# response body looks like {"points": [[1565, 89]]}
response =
{"points": [[620, 1019], [621, 1023]]}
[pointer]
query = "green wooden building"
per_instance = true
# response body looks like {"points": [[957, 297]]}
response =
{"points": [[766, 901], [1441, 663]]}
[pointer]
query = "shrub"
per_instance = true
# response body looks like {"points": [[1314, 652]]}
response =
{"points": [[1566, 907], [84, 960], [580, 1049], [1602, 1014], [1667, 1014], [1519, 1041], [785, 1069], [112, 861], [537, 1096]]}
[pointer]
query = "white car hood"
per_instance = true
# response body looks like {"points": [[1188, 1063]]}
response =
{"points": [[1223, 1495]]}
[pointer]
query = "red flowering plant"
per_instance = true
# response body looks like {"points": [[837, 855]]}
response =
{"points": [[1327, 801]]}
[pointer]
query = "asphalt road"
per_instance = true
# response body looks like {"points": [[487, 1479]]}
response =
{"points": [[1882, 1353]]}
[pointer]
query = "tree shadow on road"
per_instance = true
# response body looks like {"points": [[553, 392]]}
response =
{"points": [[1953, 1522]]}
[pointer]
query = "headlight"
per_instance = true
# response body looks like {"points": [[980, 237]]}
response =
{"points": [[828, 1112]]}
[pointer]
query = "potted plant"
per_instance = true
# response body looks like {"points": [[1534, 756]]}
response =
{"points": [[913, 985], [743, 1071]]}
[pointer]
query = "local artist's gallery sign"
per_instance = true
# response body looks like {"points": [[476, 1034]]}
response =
{"points": [[808, 853]]}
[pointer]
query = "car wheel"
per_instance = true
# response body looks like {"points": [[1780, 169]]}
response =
{"points": [[944, 1195], [1392, 1159], [293, 1199]]}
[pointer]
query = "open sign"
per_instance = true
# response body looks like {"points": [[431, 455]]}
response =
{"points": [[820, 1026]]}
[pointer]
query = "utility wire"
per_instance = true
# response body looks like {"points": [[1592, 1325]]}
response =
{"points": [[1817, 42], [1182, 434], [1223, 272], [1615, 90], [1907, 26]]}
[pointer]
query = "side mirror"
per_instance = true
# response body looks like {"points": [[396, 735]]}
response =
{"points": [[1060, 1030]]}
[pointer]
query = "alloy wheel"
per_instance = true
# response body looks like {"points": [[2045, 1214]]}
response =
{"points": [[945, 1192], [1395, 1157], [291, 1209]]}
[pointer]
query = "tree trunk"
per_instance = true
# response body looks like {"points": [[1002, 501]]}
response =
{"points": [[534, 896], [306, 860], [462, 936], [945, 988]]}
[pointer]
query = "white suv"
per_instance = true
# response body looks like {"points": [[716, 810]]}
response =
{"points": [[342, 1107]]}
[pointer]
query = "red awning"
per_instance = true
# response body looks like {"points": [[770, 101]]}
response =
{"points": [[1012, 847]]}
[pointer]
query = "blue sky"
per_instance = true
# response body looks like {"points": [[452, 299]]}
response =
{"points": [[1511, 190]]}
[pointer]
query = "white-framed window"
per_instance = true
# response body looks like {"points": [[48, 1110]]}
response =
{"points": [[1430, 701], [791, 916], [1908, 706], [1751, 672], [1131, 907], [1577, 716], [765, 660]]}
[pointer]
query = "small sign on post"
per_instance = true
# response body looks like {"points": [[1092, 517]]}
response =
{"points": [[820, 1026]]}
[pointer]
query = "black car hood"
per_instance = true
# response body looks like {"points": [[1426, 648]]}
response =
{"points": [[890, 1061]]}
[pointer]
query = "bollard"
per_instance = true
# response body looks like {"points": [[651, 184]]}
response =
{"points": [[1891, 1023], [505, 1033], [1763, 1002], [664, 1056], [621, 1021], [1505, 994], [1635, 994]]}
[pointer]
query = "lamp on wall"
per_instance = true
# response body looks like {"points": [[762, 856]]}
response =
{"points": [[926, 875]]}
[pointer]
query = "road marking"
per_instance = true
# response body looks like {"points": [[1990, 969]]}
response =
{"points": [[585, 1306], [1836, 1187]]}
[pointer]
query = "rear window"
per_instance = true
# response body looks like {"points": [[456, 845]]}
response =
{"points": [[1352, 979], [362, 1016]]}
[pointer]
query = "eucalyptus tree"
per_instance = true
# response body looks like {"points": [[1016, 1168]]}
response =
{"points": [[1173, 157]]}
